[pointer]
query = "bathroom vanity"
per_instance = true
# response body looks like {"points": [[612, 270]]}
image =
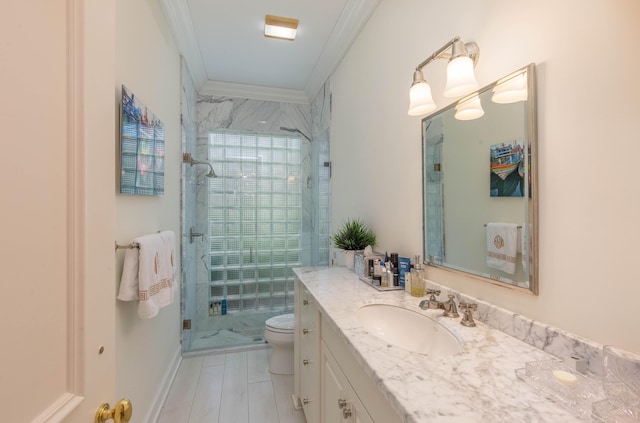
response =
{"points": [[344, 373]]}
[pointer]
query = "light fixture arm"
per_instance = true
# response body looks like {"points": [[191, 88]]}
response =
{"points": [[457, 49]]}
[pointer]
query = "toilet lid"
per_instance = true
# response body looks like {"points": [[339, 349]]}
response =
{"points": [[281, 324]]}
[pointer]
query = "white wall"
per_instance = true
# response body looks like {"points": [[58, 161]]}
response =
{"points": [[148, 63], [587, 111]]}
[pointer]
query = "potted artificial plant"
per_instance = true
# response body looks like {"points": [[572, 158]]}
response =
{"points": [[353, 235]]}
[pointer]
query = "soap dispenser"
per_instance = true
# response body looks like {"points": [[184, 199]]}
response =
{"points": [[417, 278]]}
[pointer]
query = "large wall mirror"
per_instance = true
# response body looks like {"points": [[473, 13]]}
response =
{"points": [[480, 184]]}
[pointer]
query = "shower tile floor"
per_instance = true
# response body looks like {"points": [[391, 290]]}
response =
{"points": [[230, 330]]}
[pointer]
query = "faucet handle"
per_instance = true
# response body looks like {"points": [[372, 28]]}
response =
{"points": [[467, 318], [450, 309], [433, 293]]}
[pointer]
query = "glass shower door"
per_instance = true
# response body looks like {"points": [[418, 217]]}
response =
{"points": [[254, 215]]}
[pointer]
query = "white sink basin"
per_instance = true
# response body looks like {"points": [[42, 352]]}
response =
{"points": [[408, 330]]}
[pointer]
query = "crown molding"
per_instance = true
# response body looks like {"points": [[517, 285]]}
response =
{"points": [[354, 16], [255, 92], [179, 20]]}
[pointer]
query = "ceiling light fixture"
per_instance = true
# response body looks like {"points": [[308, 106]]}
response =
{"points": [[461, 79], [279, 27]]}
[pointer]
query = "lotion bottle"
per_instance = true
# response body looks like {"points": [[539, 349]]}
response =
{"points": [[417, 278]]}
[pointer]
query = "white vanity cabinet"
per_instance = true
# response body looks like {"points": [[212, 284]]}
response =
{"points": [[339, 402], [307, 354], [329, 382]]}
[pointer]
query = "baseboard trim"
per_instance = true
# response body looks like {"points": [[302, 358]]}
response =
{"points": [[163, 390]]}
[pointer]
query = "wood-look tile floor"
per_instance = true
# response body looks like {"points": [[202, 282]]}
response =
{"points": [[230, 388]]}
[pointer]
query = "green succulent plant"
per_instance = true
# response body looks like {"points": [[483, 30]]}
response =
{"points": [[353, 235]]}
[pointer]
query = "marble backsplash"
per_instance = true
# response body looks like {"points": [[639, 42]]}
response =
{"points": [[550, 339]]}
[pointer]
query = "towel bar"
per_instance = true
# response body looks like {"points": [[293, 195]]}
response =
{"points": [[132, 245], [519, 227]]}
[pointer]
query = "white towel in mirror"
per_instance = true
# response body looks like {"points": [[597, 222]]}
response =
{"points": [[502, 246]]}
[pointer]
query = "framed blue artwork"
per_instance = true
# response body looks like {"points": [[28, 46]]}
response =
{"points": [[142, 148]]}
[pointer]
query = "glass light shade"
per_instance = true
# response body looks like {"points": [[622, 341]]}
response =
{"points": [[420, 100], [280, 32], [461, 79], [511, 91], [469, 109]]}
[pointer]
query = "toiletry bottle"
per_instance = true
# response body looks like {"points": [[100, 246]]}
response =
{"points": [[395, 269], [407, 282], [384, 281], [389, 267], [376, 272], [417, 278], [223, 310]]}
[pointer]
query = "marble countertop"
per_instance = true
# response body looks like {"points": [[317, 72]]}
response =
{"points": [[476, 385]]}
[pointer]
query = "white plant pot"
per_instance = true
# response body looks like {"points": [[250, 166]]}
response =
{"points": [[349, 258]]}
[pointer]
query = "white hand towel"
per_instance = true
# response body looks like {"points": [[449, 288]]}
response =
{"points": [[502, 246], [169, 257], [149, 273], [129, 281]]}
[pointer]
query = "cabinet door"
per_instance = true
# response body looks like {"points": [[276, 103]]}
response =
{"points": [[339, 401], [333, 390], [360, 415]]}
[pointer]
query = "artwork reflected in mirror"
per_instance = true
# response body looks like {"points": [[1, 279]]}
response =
{"points": [[479, 185], [506, 169]]}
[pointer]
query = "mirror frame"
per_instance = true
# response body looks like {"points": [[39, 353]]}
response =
{"points": [[531, 134]]}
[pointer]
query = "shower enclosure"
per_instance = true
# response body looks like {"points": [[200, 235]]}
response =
{"points": [[252, 224], [255, 201]]}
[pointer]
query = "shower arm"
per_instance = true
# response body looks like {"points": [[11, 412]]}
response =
{"points": [[186, 158]]}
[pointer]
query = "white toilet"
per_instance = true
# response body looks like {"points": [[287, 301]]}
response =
{"points": [[278, 332]]}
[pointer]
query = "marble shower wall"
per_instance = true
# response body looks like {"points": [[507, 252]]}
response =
{"points": [[321, 175], [188, 213]]}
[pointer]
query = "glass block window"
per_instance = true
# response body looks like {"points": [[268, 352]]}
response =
{"points": [[255, 215]]}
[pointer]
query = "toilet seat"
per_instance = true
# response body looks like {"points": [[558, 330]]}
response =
{"points": [[280, 324]]}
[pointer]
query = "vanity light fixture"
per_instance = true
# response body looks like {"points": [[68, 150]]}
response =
{"points": [[511, 90], [279, 27], [461, 79], [469, 108]]}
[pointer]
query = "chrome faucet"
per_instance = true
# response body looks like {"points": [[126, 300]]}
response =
{"points": [[449, 307]]}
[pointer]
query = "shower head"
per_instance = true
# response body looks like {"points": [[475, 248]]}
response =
{"points": [[211, 174]]}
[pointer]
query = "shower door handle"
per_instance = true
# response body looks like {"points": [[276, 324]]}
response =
{"points": [[250, 254]]}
